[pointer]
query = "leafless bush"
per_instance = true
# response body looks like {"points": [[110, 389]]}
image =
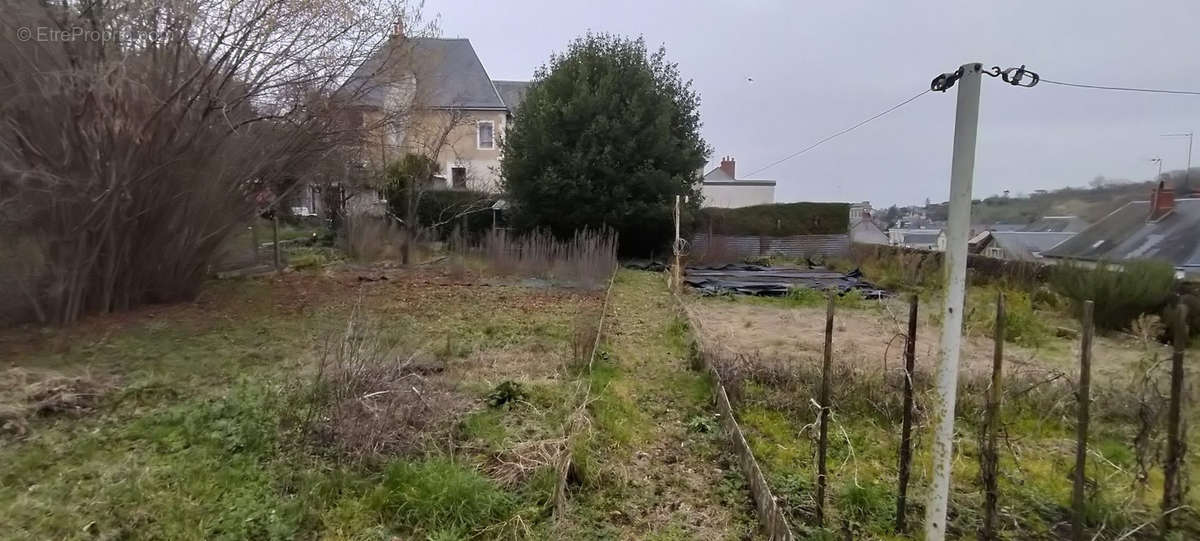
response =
{"points": [[129, 154], [372, 396], [588, 258], [369, 238], [583, 339]]}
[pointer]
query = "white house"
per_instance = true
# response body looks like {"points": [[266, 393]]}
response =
{"points": [[722, 189]]}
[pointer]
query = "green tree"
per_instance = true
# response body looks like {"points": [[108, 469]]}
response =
{"points": [[608, 135]]}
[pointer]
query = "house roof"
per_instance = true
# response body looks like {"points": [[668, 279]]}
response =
{"points": [[864, 230], [1073, 224], [1028, 245], [928, 236], [718, 177], [448, 73], [512, 93], [1125, 234], [717, 174]]}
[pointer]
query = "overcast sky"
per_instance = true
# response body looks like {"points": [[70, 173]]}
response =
{"points": [[818, 67]]}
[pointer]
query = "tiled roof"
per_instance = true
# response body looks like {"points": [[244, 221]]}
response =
{"points": [[1127, 234]]}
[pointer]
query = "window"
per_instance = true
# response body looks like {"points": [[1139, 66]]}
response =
{"points": [[458, 177], [485, 136], [995, 252]]}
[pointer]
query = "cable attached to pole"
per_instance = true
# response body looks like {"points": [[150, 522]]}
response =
{"points": [[1123, 88], [837, 134]]}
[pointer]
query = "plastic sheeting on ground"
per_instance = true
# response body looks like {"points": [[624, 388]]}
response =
{"points": [[775, 281]]}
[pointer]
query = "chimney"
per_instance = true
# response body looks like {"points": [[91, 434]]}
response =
{"points": [[727, 165], [1162, 201]]}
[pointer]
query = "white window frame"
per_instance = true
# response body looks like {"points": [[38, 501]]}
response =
{"points": [[995, 252], [478, 133]]}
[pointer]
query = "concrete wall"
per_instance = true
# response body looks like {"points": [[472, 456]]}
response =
{"points": [[732, 195]]}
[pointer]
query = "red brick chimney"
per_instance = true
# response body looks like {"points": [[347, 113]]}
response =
{"points": [[727, 165], [1162, 201]]}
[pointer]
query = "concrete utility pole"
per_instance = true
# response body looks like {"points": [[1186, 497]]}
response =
{"points": [[962, 174], [1159, 162]]}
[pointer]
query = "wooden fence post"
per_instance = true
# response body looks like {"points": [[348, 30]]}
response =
{"points": [[254, 244], [989, 458], [1083, 395], [823, 441], [910, 356], [275, 238], [1175, 452]]}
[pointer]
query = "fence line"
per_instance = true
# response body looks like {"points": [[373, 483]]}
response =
{"points": [[766, 507]]}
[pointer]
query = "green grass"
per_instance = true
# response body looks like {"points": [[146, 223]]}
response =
{"points": [[201, 437], [439, 497]]}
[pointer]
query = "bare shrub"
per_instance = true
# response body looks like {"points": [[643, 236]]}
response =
{"points": [[126, 160], [372, 396], [589, 258], [370, 238], [25, 394], [583, 340]]}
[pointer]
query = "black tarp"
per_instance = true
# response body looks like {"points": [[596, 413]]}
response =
{"points": [[774, 281]]}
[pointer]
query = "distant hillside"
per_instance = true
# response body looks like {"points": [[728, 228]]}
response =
{"points": [[1091, 203]]}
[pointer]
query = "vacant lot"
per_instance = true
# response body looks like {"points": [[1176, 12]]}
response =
{"points": [[360, 403], [769, 351]]}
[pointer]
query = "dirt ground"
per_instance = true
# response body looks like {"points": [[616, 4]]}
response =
{"points": [[874, 337]]}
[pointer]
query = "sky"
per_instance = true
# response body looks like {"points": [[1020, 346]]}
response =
{"points": [[775, 76]]}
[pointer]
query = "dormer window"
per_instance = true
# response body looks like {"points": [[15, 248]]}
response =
{"points": [[485, 135]]}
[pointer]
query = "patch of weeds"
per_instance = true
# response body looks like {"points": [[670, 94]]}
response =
{"points": [[670, 532], [773, 440], [440, 497], [678, 332], [1022, 325], [305, 258], [869, 505], [703, 424], [506, 393], [805, 296], [485, 426], [240, 423], [852, 299]]}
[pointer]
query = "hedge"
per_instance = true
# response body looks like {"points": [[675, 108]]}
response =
{"points": [[777, 220]]}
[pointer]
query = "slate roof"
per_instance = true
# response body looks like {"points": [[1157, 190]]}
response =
{"points": [[1028, 245], [448, 73], [512, 93], [1125, 235], [1072, 224], [921, 237]]}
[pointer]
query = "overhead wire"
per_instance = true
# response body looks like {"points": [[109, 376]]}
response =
{"points": [[926, 91], [1122, 88], [838, 133]]}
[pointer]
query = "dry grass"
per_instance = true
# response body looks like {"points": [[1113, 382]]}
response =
{"points": [[587, 259], [370, 398], [26, 393], [874, 340]]}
